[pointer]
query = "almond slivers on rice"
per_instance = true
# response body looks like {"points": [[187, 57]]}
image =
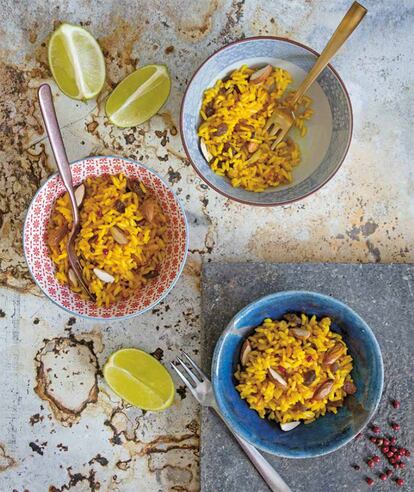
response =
{"points": [[121, 242], [312, 362], [234, 113]]}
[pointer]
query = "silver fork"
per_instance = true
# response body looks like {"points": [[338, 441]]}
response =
{"points": [[200, 386]]}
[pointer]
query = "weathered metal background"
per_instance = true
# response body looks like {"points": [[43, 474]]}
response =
{"points": [[61, 428]]}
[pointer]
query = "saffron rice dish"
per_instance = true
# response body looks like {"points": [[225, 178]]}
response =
{"points": [[232, 136], [121, 242], [294, 370]]}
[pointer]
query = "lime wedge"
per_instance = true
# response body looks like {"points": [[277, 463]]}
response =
{"points": [[139, 379], [139, 96], [76, 62]]}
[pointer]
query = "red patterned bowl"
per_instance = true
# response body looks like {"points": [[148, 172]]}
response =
{"points": [[42, 268]]}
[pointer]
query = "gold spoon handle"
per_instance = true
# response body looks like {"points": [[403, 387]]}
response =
{"points": [[348, 24]]}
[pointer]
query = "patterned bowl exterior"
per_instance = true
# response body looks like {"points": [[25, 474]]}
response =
{"points": [[264, 49], [327, 433], [42, 268]]}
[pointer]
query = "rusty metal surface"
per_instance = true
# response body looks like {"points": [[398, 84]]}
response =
{"points": [[62, 429]]}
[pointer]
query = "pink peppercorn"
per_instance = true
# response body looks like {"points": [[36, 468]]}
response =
{"points": [[393, 441], [376, 429], [407, 453], [370, 463], [397, 456], [396, 404], [389, 473], [393, 449], [390, 454], [373, 439], [401, 465], [395, 426], [399, 482], [105, 251], [383, 477], [386, 442], [369, 481], [376, 459], [385, 449]]}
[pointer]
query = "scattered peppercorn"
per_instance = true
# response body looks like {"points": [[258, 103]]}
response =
{"points": [[390, 454], [369, 481], [401, 465], [388, 472], [376, 459], [370, 463], [385, 449], [376, 429], [383, 477], [395, 426], [386, 442], [373, 439], [399, 482], [396, 404], [407, 453], [393, 440]]}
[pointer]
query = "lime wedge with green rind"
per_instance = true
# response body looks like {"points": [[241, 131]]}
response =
{"points": [[139, 96]]}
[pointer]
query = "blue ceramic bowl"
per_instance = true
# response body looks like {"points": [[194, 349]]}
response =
{"points": [[327, 433], [329, 131]]}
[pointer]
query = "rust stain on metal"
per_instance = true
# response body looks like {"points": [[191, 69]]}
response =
{"points": [[6, 461], [76, 478], [25, 166], [67, 375], [118, 48], [197, 22]]}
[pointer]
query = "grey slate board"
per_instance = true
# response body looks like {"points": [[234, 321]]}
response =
{"points": [[384, 296]]}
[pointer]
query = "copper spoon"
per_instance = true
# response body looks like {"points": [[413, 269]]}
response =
{"points": [[55, 138]]}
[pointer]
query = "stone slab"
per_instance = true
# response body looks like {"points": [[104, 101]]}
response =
{"points": [[383, 295]]}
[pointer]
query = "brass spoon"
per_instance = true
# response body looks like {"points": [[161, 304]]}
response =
{"points": [[55, 138], [280, 122]]}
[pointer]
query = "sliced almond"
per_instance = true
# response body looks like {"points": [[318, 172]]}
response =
{"points": [[289, 426], [300, 332], [276, 377], [118, 235], [72, 277], [252, 147], [80, 194], [148, 209], [244, 352], [323, 390], [333, 354], [102, 275], [261, 75], [204, 150]]}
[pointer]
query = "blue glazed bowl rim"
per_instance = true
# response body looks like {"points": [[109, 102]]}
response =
{"points": [[250, 202], [136, 313], [276, 449]]}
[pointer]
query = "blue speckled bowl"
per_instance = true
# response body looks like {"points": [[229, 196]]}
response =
{"points": [[327, 433], [329, 131]]}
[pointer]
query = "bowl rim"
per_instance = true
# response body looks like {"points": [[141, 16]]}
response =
{"points": [[249, 202], [281, 451], [179, 271]]}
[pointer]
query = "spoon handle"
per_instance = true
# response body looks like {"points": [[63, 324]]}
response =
{"points": [[55, 138], [348, 24]]}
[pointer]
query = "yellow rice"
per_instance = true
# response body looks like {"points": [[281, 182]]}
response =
{"points": [[274, 346], [109, 202], [244, 107]]}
